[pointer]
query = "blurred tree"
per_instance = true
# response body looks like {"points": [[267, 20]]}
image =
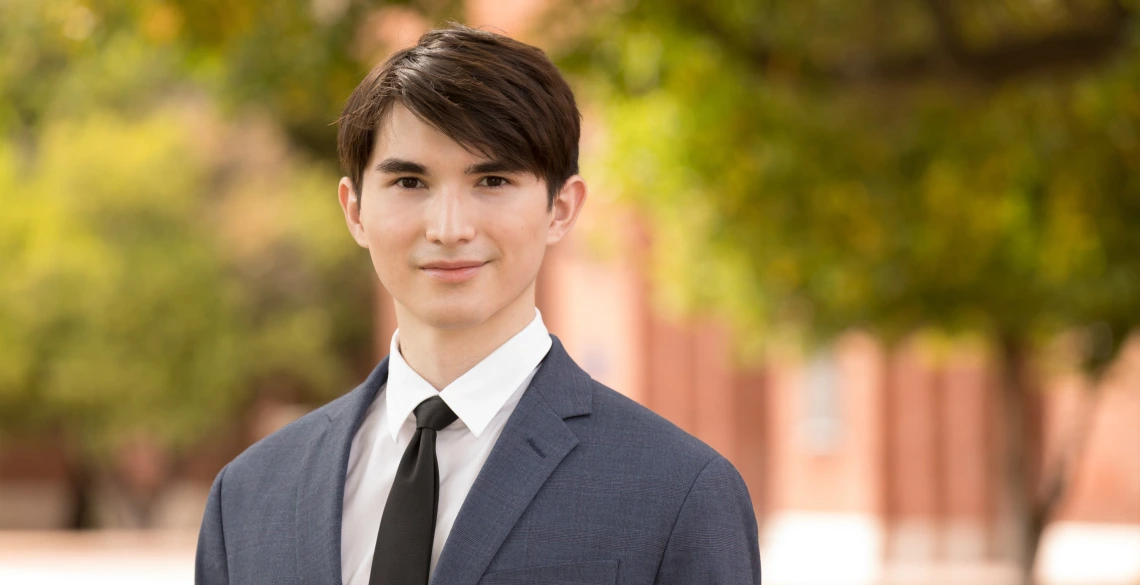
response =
{"points": [[142, 299], [116, 318], [159, 263], [295, 61], [896, 166]]}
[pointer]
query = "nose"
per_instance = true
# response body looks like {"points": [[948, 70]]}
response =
{"points": [[450, 220]]}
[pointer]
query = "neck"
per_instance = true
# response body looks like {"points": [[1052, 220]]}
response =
{"points": [[441, 355]]}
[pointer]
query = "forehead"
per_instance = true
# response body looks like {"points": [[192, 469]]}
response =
{"points": [[402, 134]]}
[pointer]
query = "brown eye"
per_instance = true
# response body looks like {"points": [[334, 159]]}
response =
{"points": [[495, 181], [408, 182]]}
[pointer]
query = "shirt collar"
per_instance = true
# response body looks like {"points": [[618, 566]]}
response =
{"points": [[476, 396]]}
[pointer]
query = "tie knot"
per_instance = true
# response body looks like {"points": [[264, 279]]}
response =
{"points": [[434, 414]]}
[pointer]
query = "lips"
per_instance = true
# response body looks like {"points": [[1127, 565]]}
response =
{"points": [[453, 264], [453, 271]]}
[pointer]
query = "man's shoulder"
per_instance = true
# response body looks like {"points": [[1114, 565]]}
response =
{"points": [[279, 451], [619, 421]]}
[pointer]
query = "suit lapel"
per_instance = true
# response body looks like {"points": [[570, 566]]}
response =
{"points": [[320, 494], [532, 444]]}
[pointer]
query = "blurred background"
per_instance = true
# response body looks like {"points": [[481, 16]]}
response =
{"points": [[882, 254]]}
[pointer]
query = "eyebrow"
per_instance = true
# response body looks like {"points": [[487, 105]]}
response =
{"points": [[399, 165], [493, 166]]}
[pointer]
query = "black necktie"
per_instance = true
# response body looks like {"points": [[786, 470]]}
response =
{"points": [[407, 528]]}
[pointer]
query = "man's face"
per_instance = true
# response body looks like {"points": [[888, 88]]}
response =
{"points": [[454, 237]]}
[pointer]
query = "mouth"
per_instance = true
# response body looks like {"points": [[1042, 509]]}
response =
{"points": [[453, 272]]}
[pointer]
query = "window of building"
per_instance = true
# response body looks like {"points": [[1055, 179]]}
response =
{"points": [[821, 423]]}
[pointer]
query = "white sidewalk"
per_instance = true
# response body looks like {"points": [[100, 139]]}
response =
{"points": [[97, 558]]}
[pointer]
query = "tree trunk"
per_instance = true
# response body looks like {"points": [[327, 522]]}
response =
{"points": [[143, 472], [80, 484], [1014, 394], [141, 508], [1035, 497]]}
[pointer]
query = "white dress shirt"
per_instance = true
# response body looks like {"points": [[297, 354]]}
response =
{"points": [[483, 398]]}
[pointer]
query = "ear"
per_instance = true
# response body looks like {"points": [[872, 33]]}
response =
{"points": [[567, 204], [350, 204]]}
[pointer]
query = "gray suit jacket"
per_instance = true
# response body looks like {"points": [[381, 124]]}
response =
{"points": [[583, 487]]}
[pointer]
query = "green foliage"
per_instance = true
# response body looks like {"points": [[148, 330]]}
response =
{"points": [[294, 60], [811, 163], [160, 262], [123, 315], [124, 305]]}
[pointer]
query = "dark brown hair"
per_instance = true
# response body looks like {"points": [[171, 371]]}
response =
{"points": [[495, 96]]}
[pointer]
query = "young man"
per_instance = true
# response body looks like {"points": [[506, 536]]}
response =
{"points": [[477, 451]]}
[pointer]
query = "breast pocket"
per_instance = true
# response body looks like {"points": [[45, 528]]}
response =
{"points": [[584, 573]]}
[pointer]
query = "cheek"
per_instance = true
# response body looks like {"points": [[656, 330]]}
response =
{"points": [[389, 237], [385, 221], [527, 242]]}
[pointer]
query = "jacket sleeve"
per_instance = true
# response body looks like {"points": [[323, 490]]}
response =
{"points": [[210, 566], [715, 540]]}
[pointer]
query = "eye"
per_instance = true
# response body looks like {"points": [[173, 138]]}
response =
{"points": [[494, 182], [408, 182]]}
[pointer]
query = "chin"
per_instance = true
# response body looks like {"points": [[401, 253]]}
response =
{"points": [[454, 315]]}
